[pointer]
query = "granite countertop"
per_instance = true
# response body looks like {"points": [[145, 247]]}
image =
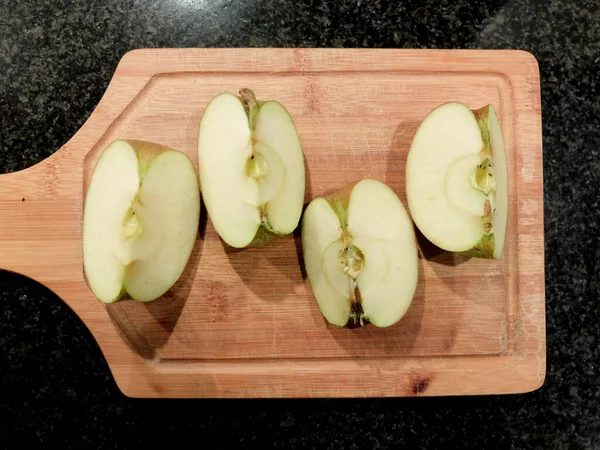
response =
{"points": [[56, 59]]}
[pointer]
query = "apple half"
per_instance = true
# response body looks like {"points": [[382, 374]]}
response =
{"points": [[457, 181], [251, 169], [360, 255], [140, 222]]}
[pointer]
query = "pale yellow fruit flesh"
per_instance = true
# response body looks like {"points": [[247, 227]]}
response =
{"points": [[458, 185], [437, 145], [320, 229], [250, 177], [379, 227], [267, 175], [383, 231], [140, 221], [340, 281], [223, 151], [275, 130], [114, 184], [169, 215]]}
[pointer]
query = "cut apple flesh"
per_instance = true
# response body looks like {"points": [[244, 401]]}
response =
{"points": [[251, 169], [360, 255], [456, 180], [141, 220]]}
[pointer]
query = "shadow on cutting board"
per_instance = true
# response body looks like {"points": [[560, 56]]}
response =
{"points": [[148, 326], [272, 270], [371, 341]]}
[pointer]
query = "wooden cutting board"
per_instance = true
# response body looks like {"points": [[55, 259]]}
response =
{"points": [[245, 323]]}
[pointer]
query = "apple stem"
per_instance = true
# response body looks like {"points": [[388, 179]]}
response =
{"points": [[356, 311], [264, 223], [250, 105]]}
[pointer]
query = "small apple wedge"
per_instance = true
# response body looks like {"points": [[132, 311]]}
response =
{"points": [[457, 180], [360, 255], [251, 169], [140, 223]]}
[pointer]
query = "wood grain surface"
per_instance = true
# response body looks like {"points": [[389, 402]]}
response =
{"points": [[245, 323]]}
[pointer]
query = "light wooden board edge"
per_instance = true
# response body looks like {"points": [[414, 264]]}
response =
{"points": [[522, 370]]}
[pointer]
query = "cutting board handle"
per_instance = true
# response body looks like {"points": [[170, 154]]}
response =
{"points": [[30, 219]]}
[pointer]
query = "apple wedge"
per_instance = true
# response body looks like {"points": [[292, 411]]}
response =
{"points": [[360, 255], [251, 169], [457, 181], [140, 222]]}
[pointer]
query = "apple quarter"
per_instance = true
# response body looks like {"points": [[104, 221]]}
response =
{"points": [[141, 218], [457, 182], [251, 169], [360, 255]]}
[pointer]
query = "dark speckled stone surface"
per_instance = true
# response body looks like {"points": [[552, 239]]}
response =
{"points": [[56, 59]]}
